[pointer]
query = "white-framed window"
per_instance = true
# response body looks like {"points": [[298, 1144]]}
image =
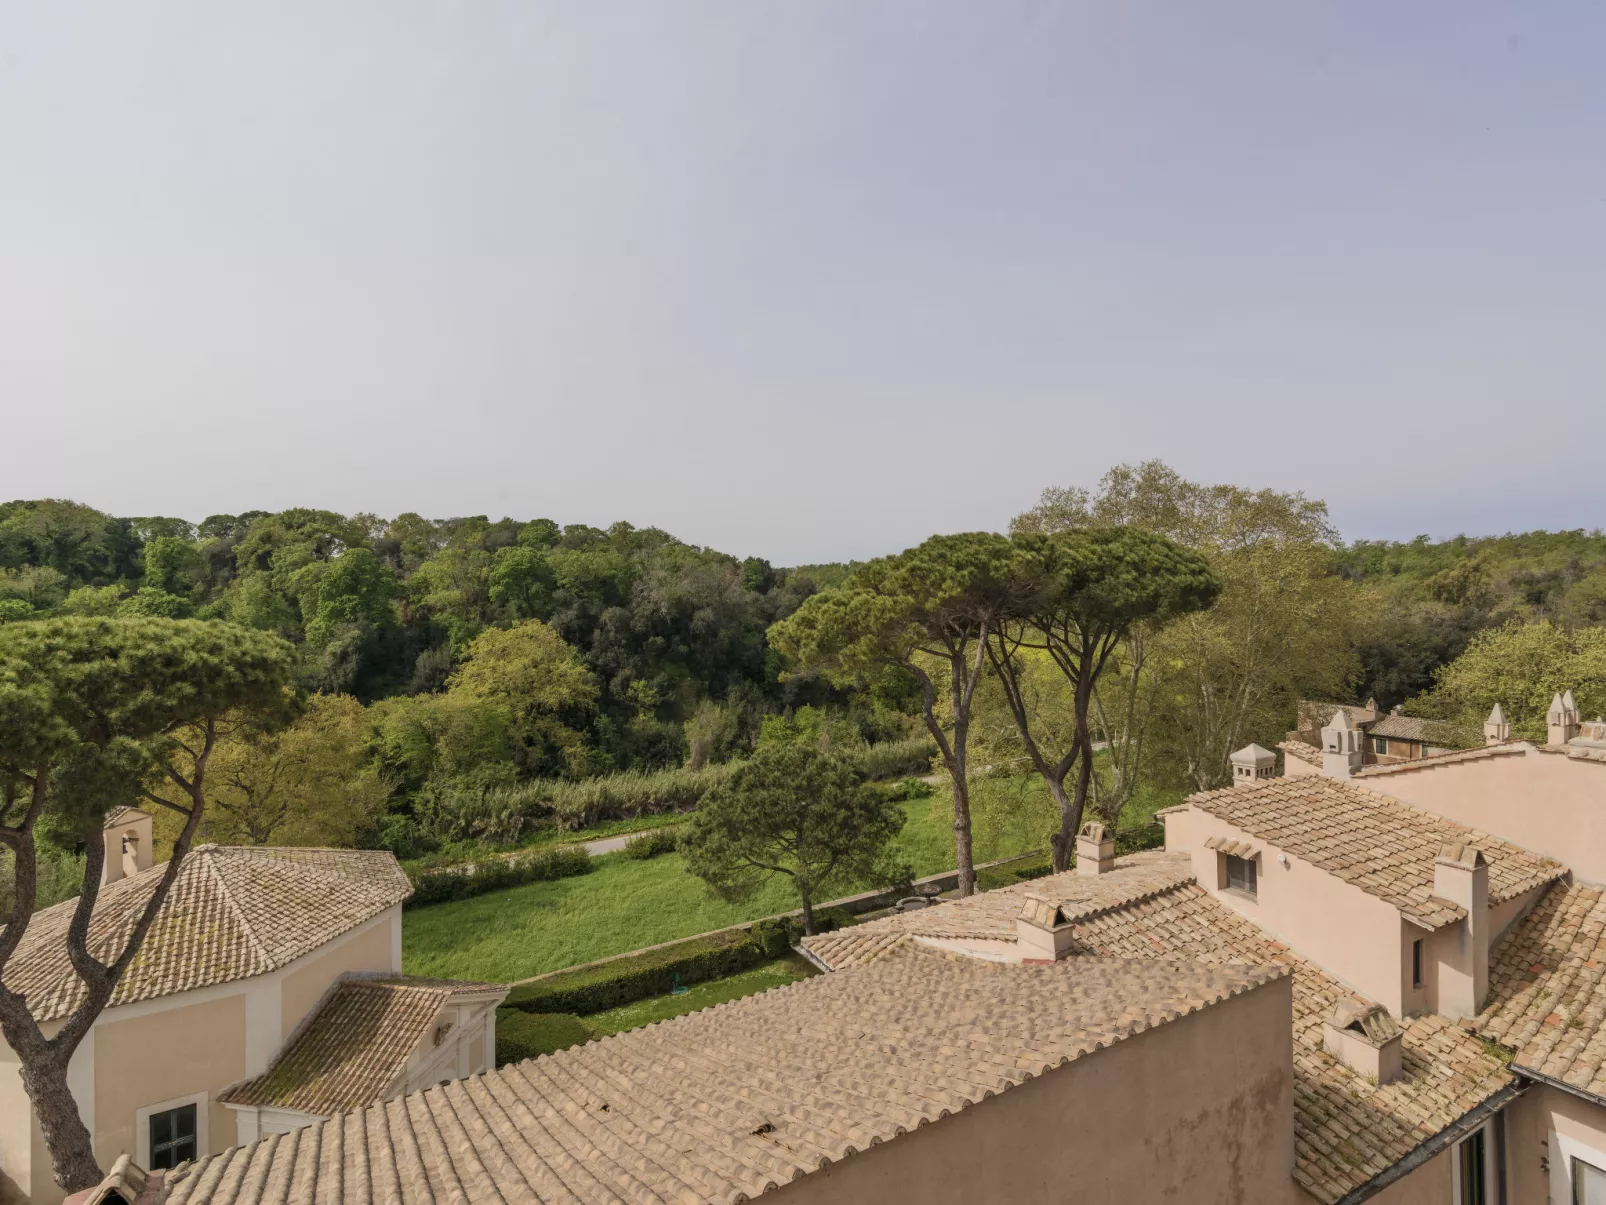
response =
{"points": [[171, 1131], [1380, 745], [1473, 1169], [1589, 1183], [1577, 1171]]}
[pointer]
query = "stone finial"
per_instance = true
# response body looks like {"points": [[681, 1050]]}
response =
{"points": [[1496, 731], [1253, 765], [1371, 705], [1561, 720]]}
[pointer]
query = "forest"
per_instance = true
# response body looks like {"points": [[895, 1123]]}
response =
{"points": [[470, 680]]}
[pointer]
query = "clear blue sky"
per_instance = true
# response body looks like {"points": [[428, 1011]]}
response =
{"points": [[808, 279]]}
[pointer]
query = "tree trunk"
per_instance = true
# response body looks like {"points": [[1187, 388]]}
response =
{"points": [[964, 856], [1063, 842], [808, 911], [72, 1155]]}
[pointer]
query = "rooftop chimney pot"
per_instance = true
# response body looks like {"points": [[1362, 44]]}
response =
{"points": [[1095, 849]]}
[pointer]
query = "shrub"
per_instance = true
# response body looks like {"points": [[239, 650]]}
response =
{"points": [[521, 1035], [1148, 836], [906, 789], [775, 936], [626, 980], [829, 920], [493, 874], [654, 842], [590, 801], [897, 759]]}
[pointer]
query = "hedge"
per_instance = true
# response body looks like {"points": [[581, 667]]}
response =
{"points": [[897, 759], [654, 842], [521, 1035], [494, 874], [651, 973]]}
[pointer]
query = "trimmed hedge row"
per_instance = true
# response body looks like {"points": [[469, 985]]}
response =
{"points": [[654, 842], [521, 1035], [494, 874], [655, 972]]}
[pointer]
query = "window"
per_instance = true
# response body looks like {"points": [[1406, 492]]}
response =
{"points": [[1589, 1184], [172, 1137], [1416, 963], [1472, 1170], [1241, 874], [1380, 744]]}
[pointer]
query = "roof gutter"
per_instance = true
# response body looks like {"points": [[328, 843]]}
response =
{"points": [[1447, 1137]]}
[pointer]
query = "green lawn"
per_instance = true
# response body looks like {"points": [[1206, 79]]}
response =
{"points": [[625, 905]]}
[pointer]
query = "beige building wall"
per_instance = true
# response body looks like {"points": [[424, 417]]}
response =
{"points": [[1355, 937], [366, 949], [16, 1141], [1197, 1110], [1545, 802], [1430, 1184], [1294, 768], [1546, 1130]]}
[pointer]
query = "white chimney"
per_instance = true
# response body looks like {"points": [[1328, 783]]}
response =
{"points": [[1366, 1039], [1562, 719], [126, 834], [1253, 765], [1461, 876], [1342, 754], [1496, 731], [1095, 849], [1041, 931]]}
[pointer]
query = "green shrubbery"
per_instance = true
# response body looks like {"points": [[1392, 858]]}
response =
{"points": [[896, 759], [637, 976], [522, 1035], [654, 842], [493, 874]]}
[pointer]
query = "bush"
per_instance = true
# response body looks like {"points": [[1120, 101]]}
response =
{"points": [[654, 842], [907, 789], [775, 936], [590, 801], [897, 759], [638, 976], [829, 920], [521, 1035], [494, 874]]}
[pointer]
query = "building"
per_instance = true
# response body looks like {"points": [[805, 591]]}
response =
{"points": [[1383, 739], [267, 994], [1357, 981]]}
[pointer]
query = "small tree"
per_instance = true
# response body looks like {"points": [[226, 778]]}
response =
{"points": [[928, 609], [91, 712], [797, 812]]}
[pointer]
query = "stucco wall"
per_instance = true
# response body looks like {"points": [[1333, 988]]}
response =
{"points": [[1354, 936], [1294, 768], [1545, 802], [164, 1055], [365, 949], [1430, 1184], [16, 1155], [1197, 1110], [1545, 1128]]}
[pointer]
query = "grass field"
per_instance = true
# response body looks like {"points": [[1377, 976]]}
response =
{"points": [[625, 905]]}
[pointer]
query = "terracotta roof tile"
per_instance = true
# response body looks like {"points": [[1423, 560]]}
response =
{"points": [[1384, 847], [354, 1050], [232, 912], [732, 1101], [1300, 751], [1547, 987]]}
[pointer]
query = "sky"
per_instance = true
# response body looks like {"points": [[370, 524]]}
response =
{"points": [[804, 279]]}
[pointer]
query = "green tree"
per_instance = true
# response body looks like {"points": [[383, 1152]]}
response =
{"points": [[91, 712], [931, 609], [798, 812], [540, 682], [1089, 589]]}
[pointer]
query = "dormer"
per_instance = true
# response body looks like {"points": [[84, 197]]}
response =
{"points": [[1253, 765], [126, 836], [1496, 731], [1562, 719], [1342, 752]]}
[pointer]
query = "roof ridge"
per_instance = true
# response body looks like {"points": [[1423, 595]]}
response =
{"points": [[211, 863]]}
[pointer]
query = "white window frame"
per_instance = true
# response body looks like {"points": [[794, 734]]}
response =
{"points": [[1563, 1150], [1490, 1169], [142, 1124]]}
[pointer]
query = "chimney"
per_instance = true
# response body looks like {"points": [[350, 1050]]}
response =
{"points": [[1371, 706], [126, 834], [1253, 765], [1341, 746], [1496, 731], [1562, 719], [1041, 931], [1461, 876], [1365, 1038], [1095, 849]]}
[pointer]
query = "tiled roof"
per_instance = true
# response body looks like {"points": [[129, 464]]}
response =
{"points": [[232, 912], [1547, 984], [991, 914], [729, 1102], [1384, 847], [1300, 751], [355, 1048], [1434, 760], [1411, 728], [1346, 1130]]}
